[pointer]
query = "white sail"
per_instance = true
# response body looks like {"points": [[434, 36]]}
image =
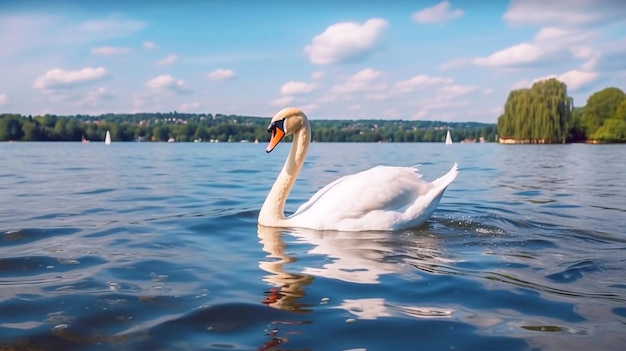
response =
{"points": [[448, 138], [107, 139]]}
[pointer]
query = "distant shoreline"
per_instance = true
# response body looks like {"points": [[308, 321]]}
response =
{"points": [[185, 127]]}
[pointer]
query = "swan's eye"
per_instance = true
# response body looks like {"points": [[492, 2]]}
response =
{"points": [[276, 124]]}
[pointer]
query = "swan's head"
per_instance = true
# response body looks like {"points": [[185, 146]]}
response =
{"points": [[287, 121]]}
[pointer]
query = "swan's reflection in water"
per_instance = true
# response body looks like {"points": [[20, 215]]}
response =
{"points": [[354, 257], [493, 307], [287, 288]]}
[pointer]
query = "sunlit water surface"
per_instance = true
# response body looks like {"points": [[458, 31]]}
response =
{"points": [[155, 246]]}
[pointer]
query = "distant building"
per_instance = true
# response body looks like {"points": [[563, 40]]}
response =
{"points": [[512, 140], [507, 140]]}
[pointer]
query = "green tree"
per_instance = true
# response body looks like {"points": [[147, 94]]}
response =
{"points": [[613, 130], [59, 129], [31, 130], [160, 133], [11, 128], [601, 106], [73, 130], [185, 127], [620, 113], [577, 132], [541, 114]]}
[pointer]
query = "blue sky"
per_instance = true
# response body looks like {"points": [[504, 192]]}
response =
{"points": [[428, 60]]}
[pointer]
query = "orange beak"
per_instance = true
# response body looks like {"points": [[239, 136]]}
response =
{"points": [[277, 136], [277, 129]]}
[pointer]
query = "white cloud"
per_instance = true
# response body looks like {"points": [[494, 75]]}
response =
{"points": [[222, 74], [109, 50], [439, 102], [364, 80], [168, 60], [487, 91], [334, 98], [94, 97], [392, 113], [189, 107], [487, 113], [433, 115], [4, 99], [457, 90], [584, 52], [318, 75], [521, 84], [439, 13], [454, 63], [56, 32], [444, 104], [420, 114], [283, 101], [610, 58], [577, 79], [567, 42], [119, 26], [294, 88], [149, 45], [347, 42], [497, 111], [309, 108], [58, 78], [418, 81], [166, 82], [574, 13], [574, 79], [562, 36], [550, 45], [148, 103], [591, 64], [516, 55]]}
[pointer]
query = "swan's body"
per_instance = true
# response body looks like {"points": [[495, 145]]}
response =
{"points": [[381, 198]]}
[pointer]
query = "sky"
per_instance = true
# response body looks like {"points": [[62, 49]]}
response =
{"points": [[342, 59]]}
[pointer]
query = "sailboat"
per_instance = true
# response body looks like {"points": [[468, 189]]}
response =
{"points": [[107, 139], [448, 138]]}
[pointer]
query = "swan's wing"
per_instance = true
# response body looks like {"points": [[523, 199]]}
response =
{"points": [[381, 198], [319, 194], [390, 189]]}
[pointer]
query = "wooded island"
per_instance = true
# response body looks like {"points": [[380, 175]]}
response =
{"points": [[544, 114]]}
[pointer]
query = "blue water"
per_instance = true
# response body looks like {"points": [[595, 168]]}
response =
{"points": [[154, 246]]}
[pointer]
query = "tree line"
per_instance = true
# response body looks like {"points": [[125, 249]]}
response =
{"points": [[544, 113], [186, 127]]}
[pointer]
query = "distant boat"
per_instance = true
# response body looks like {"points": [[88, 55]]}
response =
{"points": [[448, 138], [84, 140], [171, 140], [107, 138]]}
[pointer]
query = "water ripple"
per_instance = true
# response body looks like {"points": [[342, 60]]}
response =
{"points": [[523, 253]]}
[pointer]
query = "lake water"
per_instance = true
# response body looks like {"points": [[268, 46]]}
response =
{"points": [[155, 246]]}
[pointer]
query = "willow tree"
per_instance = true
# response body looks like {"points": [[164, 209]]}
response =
{"points": [[541, 114]]}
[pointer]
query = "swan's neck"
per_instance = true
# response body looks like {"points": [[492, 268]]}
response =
{"points": [[273, 211]]}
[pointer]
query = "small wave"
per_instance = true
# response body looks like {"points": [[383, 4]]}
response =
{"points": [[28, 265], [95, 191], [574, 272], [30, 235]]}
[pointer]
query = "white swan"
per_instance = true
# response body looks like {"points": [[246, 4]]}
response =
{"points": [[381, 198]]}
